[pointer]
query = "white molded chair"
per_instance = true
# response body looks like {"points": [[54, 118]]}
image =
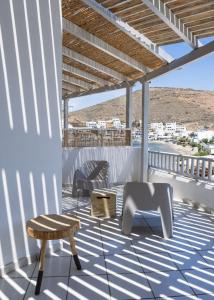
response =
{"points": [[148, 196]]}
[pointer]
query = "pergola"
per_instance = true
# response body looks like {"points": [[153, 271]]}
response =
{"points": [[111, 44]]}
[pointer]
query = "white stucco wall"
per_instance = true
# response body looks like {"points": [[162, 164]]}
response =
{"points": [[124, 162], [186, 188], [30, 93], [125, 166]]}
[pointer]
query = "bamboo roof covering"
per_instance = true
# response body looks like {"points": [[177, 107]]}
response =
{"points": [[107, 42]]}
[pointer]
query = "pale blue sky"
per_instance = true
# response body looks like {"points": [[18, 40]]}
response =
{"points": [[198, 75]]}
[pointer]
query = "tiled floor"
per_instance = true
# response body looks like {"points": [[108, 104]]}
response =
{"points": [[140, 266]]}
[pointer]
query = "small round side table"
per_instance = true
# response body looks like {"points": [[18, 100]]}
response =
{"points": [[53, 227]]}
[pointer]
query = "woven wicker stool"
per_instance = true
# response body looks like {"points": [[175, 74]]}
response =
{"points": [[103, 203], [53, 227]]}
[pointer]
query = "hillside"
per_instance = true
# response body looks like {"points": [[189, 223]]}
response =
{"points": [[193, 108]]}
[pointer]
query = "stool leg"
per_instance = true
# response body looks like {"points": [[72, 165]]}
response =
{"points": [[41, 267], [74, 251]]}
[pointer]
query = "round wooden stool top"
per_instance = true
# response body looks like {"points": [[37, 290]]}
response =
{"points": [[52, 227]]}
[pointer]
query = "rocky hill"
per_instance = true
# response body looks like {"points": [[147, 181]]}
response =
{"points": [[192, 107]]}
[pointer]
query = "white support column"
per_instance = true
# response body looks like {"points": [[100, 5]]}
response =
{"points": [[144, 143], [65, 114], [128, 106]]}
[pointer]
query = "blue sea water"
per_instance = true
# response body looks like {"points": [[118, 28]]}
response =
{"points": [[160, 147]]}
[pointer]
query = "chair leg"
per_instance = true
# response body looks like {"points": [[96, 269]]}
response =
{"points": [[127, 219], [41, 267], [166, 221], [74, 251]]}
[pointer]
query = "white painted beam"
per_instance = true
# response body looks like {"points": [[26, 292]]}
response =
{"points": [[101, 89], [75, 71], [144, 142], [169, 18], [180, 62], [71, 88], [129, 106], [66, 113], [103, 46], [138, 37], [84, 85], [92, 64]]}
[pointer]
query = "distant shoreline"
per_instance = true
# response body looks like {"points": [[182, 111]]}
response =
{"points": [[170, 147]]}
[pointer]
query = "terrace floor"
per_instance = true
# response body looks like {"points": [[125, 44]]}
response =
{"points": [[140, 266]]}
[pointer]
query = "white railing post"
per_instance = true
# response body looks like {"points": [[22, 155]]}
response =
{"points": [[192, 167], [210, 171], [203, 169]]}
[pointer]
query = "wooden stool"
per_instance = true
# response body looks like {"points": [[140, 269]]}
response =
{"points": [[53, 227], [103, 203]]}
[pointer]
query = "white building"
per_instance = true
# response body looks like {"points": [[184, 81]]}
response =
{"points": [[170, 128], [116, 123], [101, 124], [203, 134], [157, 129], [91, 124], [157, 126]]}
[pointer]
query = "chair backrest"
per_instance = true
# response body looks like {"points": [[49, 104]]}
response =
{"points": [[96, 169], [147, 195]]}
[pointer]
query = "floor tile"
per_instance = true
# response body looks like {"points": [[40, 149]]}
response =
{"points": [[129, 286], [51, 288], [24, 272], [123, 263], [114, 247], [170, 284], [202, 281], [188, 260], [55, 266], [187, 297], [178, 243], [91, 287], [156, 262], [86, 246], [108, 234], [208, 256], [13, 288], [149, 245], [91, 263], [204, 297]]}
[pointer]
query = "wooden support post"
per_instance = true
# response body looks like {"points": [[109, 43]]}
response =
{"points": [[74, 251], [144, 142]]}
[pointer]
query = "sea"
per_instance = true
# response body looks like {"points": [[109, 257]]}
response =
{"points": [[160, 147]]}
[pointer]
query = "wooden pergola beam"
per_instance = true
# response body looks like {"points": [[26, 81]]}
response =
{"points": [[77, 82], [161, 10], [94, 41], [138, 37], [75, 56], [85, 75]]}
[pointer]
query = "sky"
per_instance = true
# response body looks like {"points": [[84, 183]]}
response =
{"points": [[198, 75]]}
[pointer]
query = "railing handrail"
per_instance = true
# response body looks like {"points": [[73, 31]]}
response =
{"points": [[196, 167], [185, 156]]}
